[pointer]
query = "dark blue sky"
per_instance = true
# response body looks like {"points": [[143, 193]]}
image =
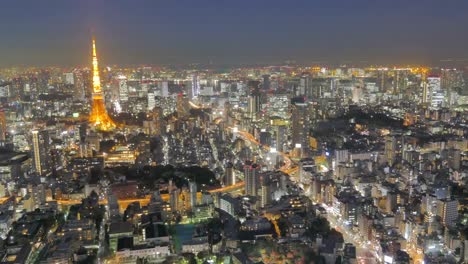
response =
{"points": [[57, 32]]}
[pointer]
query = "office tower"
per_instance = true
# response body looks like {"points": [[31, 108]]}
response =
{"points": [[254, 100], [164, 88], [266, 82], [40, 141], [251, 178], [195, 86], [304, 84], [390, 149], [98, 116], [229, 177], [3, 126], [151, 100], [426, 94], [123, 89], [448, 211], [265, 195], [436, 94], [69, 78], [254, 105], [280, 131], [193, 194], [265, 137], [81, 83], [300, 128]]}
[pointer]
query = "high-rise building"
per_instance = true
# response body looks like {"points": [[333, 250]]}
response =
{"points": [[3, 126], [195, 86], [253, 105], [193, 194], [390, 149], [98, 116], [164, 86], [251, 178], [69, 78], [304, 84], [300, 128], [123, 89], [151, 100], [229, 177], [40, 142], [265, 137], [265, 195], [174, 199], [254, 100], [448, 211], [436, 94]]}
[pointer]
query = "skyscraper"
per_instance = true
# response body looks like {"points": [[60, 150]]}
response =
{"points": [[195, 86], [437, 96], [300, 128], [251, 178], [40, 140], [254, 101], [193, 194], [229, 177], [3, 126], [98, 116]]}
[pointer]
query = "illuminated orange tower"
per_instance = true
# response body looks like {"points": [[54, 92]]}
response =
{"points": [[98, 116]]}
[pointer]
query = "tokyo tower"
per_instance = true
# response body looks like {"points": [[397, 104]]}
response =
{"points": [[98, 116]]}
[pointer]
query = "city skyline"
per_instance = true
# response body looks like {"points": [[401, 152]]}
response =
{"points": [[308, 32], [185, 132]]}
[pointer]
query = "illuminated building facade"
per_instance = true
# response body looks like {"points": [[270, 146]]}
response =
{"points": [[3, 126], [40, 140]]}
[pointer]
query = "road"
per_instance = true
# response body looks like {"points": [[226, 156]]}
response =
{"points": [[365, 250]]}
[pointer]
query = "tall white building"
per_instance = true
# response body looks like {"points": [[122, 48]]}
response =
{"points": [[195, 85], [123, 88], [164, 89], [435, 92], [193, 194], [69, 78], [151, 101]]}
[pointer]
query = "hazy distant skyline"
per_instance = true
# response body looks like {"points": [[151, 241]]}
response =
{"points": [[231, 32]]}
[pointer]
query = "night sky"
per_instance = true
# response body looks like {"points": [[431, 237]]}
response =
{"points": [[57, 32]]}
